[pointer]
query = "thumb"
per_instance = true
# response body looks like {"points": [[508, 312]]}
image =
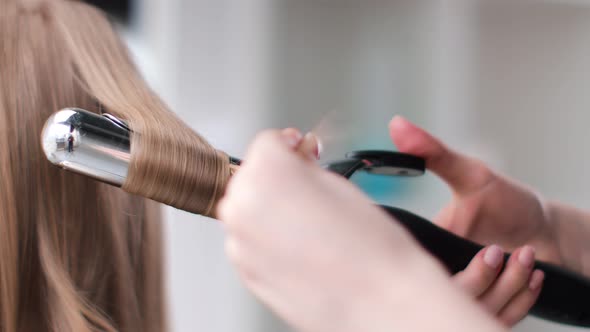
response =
{"points": [[310, 146], [307, 146], [464, 174]]}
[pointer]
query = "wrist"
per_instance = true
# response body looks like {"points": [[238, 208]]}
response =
{"points": [[570, 231], [422, 298], [546, 240], [393, 300]]}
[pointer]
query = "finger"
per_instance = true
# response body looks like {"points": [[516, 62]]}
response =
{"points": [[519, 306], [309, 146], [271, 147], [481, 272], [235, 207], [515, 277], [461, 172], [292, 136], [273, 141]]}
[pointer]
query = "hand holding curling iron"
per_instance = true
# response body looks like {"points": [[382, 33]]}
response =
{"points": [[271, 246]]}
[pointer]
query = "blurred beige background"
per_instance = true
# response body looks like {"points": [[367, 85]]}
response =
{"points": [[507, 81]]}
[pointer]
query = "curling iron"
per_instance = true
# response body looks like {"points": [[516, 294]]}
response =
{"points": [[98, 146]]}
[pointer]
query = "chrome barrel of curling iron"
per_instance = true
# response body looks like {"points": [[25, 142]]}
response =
{"points": [[87, 143]]}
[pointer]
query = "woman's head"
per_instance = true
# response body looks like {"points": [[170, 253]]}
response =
{"points": [[75, 255]]}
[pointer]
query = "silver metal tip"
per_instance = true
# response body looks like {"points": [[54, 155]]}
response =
{"points": [[88, 144], [56, 135]]}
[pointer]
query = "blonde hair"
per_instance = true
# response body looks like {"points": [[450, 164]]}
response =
{"points": [[170, 163], [75, 254]]}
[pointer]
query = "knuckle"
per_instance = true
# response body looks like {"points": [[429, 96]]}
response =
{"points": [[290, 131], [231, 211], [462, 280], [243, 213], [233, 251], [516, 275], [237, 257], [248, 275], [265, 138], [264, 150], [507, 321], [495, 304], [223, 209], [511, 318], [479, 274], [473, 285], [264, 135], [482, 172], [472, 277], [235, 185]]}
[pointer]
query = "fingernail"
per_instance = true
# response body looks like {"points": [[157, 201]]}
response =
{"points": [[400, 118], [536, 280], [315, 153], [292, 136], [526, 257], [493, 256], [402, 121]]}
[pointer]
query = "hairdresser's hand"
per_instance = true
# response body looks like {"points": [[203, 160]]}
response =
{"points": [[319, 253], [486, 207]]}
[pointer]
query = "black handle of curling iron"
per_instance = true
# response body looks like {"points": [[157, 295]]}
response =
{"points": [[564, 298]]}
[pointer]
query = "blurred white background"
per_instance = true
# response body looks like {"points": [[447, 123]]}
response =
{"points": [[507, 81]]}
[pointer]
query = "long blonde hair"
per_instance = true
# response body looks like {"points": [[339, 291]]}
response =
{"points": [[75, 255]]}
